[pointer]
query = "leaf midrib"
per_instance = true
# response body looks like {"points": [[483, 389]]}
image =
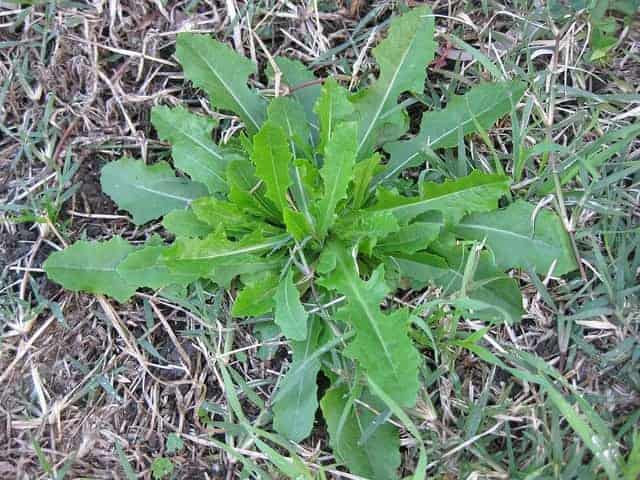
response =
{"points": [[387, 93], [227, 87], [368, 314], [430, 143], [230, 253], [475, 226]]}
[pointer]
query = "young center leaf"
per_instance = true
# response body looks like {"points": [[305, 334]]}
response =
{"points": [[333, 107], [478, 109], [222, 73], [336, 173], [402, 57], [478, 192], [147, 192], [381, 344], [192, 148], [272, 157], [374, 455], [520, 237], [92, 267], [296, 401], [289, 313], [296, 76]]}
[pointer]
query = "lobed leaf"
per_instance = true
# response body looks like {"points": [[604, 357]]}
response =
{"points": [[192, 148], [381, 344], [92, 267], [377, 457], [256, 298], [147, 192], [332, 108], [184, 223], [145, 268], [478, 109], [402, 58], [298, 78], [336, 173], [222, 73], [521, 238], [200, 256], [491, 295], [478, 192], [272, 157]]}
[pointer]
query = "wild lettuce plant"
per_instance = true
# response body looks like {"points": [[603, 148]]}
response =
{"points": [[300, 214]]}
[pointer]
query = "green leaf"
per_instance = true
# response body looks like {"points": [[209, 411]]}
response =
{"points": [[480, 107], [297, 224], [290, 116], [161, 467], [174, 443], [376, 458], [192, 148], [296, 402], [521, 238], [491, 295], [222, 73], [333, 108], [247, 267], [272, 158], [147, 191], [410, 238], [478, 192], [146, 268], [290, 315], [381, 344], [200, 256], [295, 74], [184, 223], [222, 214], [402, 57], [366, 226], [256, 298], [92, 267], [336, 173], [363, 173], [246, 191]]}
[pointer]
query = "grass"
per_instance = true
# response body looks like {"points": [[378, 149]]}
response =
{"points": [[91, 387]]}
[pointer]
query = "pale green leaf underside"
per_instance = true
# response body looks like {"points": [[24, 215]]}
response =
{"points": [[520, 237], [92, 267], [147, 191]]}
